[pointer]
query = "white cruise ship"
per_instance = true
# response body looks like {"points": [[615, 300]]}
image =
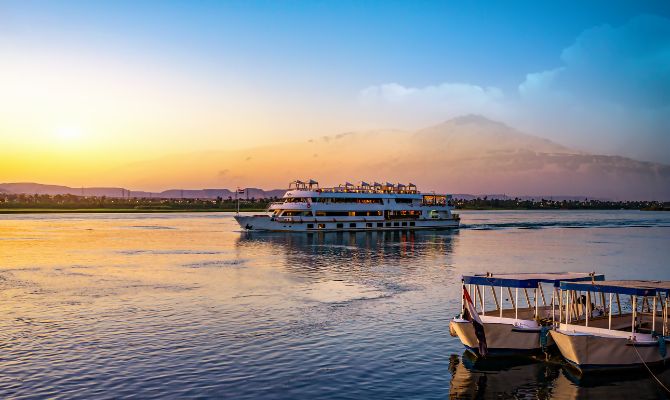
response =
{"points": [[306, 207]]}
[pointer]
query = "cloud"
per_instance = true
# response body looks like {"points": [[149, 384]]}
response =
{"points": [[412, 105], [611, 94], [629, 64]]}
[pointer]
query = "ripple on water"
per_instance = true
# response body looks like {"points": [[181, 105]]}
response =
{"points": [[216, 263], [336, 291]]}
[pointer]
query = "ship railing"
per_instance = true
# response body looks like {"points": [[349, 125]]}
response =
{"points": [[365, 190]]}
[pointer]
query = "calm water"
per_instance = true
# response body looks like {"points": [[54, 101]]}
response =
{"points": [[185, 305]]}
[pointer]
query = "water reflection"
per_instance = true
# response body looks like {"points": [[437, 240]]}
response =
{"points": [[390, 243], [535, 378], [362, 254], [508, 377], [630, 384]]}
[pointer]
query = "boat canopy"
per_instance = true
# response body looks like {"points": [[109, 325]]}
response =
{"points": [[633, 288], [531, 279]]}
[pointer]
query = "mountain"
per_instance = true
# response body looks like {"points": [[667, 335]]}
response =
{"points": [[469, 154], [37, 188]]}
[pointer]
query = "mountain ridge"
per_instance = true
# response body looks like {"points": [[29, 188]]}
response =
{"points": [[468, 154], [32, 188]]}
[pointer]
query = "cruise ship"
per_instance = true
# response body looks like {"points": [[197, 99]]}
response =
{"points": [[306, 207]]}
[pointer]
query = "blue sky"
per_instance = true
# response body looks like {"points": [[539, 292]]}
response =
{"points": [[592, 75]]}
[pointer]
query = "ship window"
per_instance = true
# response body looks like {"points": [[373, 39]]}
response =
{"points": [[321, 226], [412, 223], [403, 201], [339, 226], [369, 224], [404, 224], [380, 224], [396, 224], [352, 225], [296, 213], [388, 224], [310, 226], [332, 213]]}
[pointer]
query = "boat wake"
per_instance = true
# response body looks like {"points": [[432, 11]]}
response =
{"points": [[636, 223]]}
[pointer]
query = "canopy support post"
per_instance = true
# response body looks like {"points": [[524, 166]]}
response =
{"points": [[481, 299], [609, 325], [665, 317], [632, 328], [653, 314], [527, 297], [472, 294], [567, 307], [544, 301], [511, 298], [553, 315], [536, 310], [587, 306], [501, 300], [560, 304], [462, 298], [516, 302]]}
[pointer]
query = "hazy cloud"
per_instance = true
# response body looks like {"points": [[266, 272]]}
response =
{"points": [[446, 100], [612, 93]]}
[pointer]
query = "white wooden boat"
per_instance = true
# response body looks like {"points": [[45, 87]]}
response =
{"points": [[510, 327], [599, 330]]}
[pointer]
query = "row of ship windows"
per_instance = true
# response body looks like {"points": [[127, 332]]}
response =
{"points": [[291, 213], [367, 225], [342, 200], [428, 200]]}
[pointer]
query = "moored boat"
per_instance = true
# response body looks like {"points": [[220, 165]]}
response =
{"points": [[508, 327], [599, 331]]}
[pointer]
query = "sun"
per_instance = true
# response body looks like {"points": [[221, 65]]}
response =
{"points": [[68, 134]]}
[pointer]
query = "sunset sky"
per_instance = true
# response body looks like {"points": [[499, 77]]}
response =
{"points": [[86, 87]]}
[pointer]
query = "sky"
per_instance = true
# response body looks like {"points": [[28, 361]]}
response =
{"points": [[89, 86]]}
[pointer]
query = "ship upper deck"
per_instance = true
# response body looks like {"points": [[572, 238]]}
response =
{"points": [[363, 189]]}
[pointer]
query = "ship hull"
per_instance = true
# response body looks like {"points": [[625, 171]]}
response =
{"points": [[266, 223], [593, 349], [503, 337]]}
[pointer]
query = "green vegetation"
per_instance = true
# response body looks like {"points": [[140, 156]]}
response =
{"points": [[22, 203], [42, 203], [544, 204]]}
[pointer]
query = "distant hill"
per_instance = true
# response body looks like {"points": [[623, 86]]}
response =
{"points": [[469, 154], [462, 196], [37, 188]]}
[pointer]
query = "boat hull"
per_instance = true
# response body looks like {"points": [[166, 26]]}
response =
{"points": [[266, 223], [591, 351], [502, 338]]}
